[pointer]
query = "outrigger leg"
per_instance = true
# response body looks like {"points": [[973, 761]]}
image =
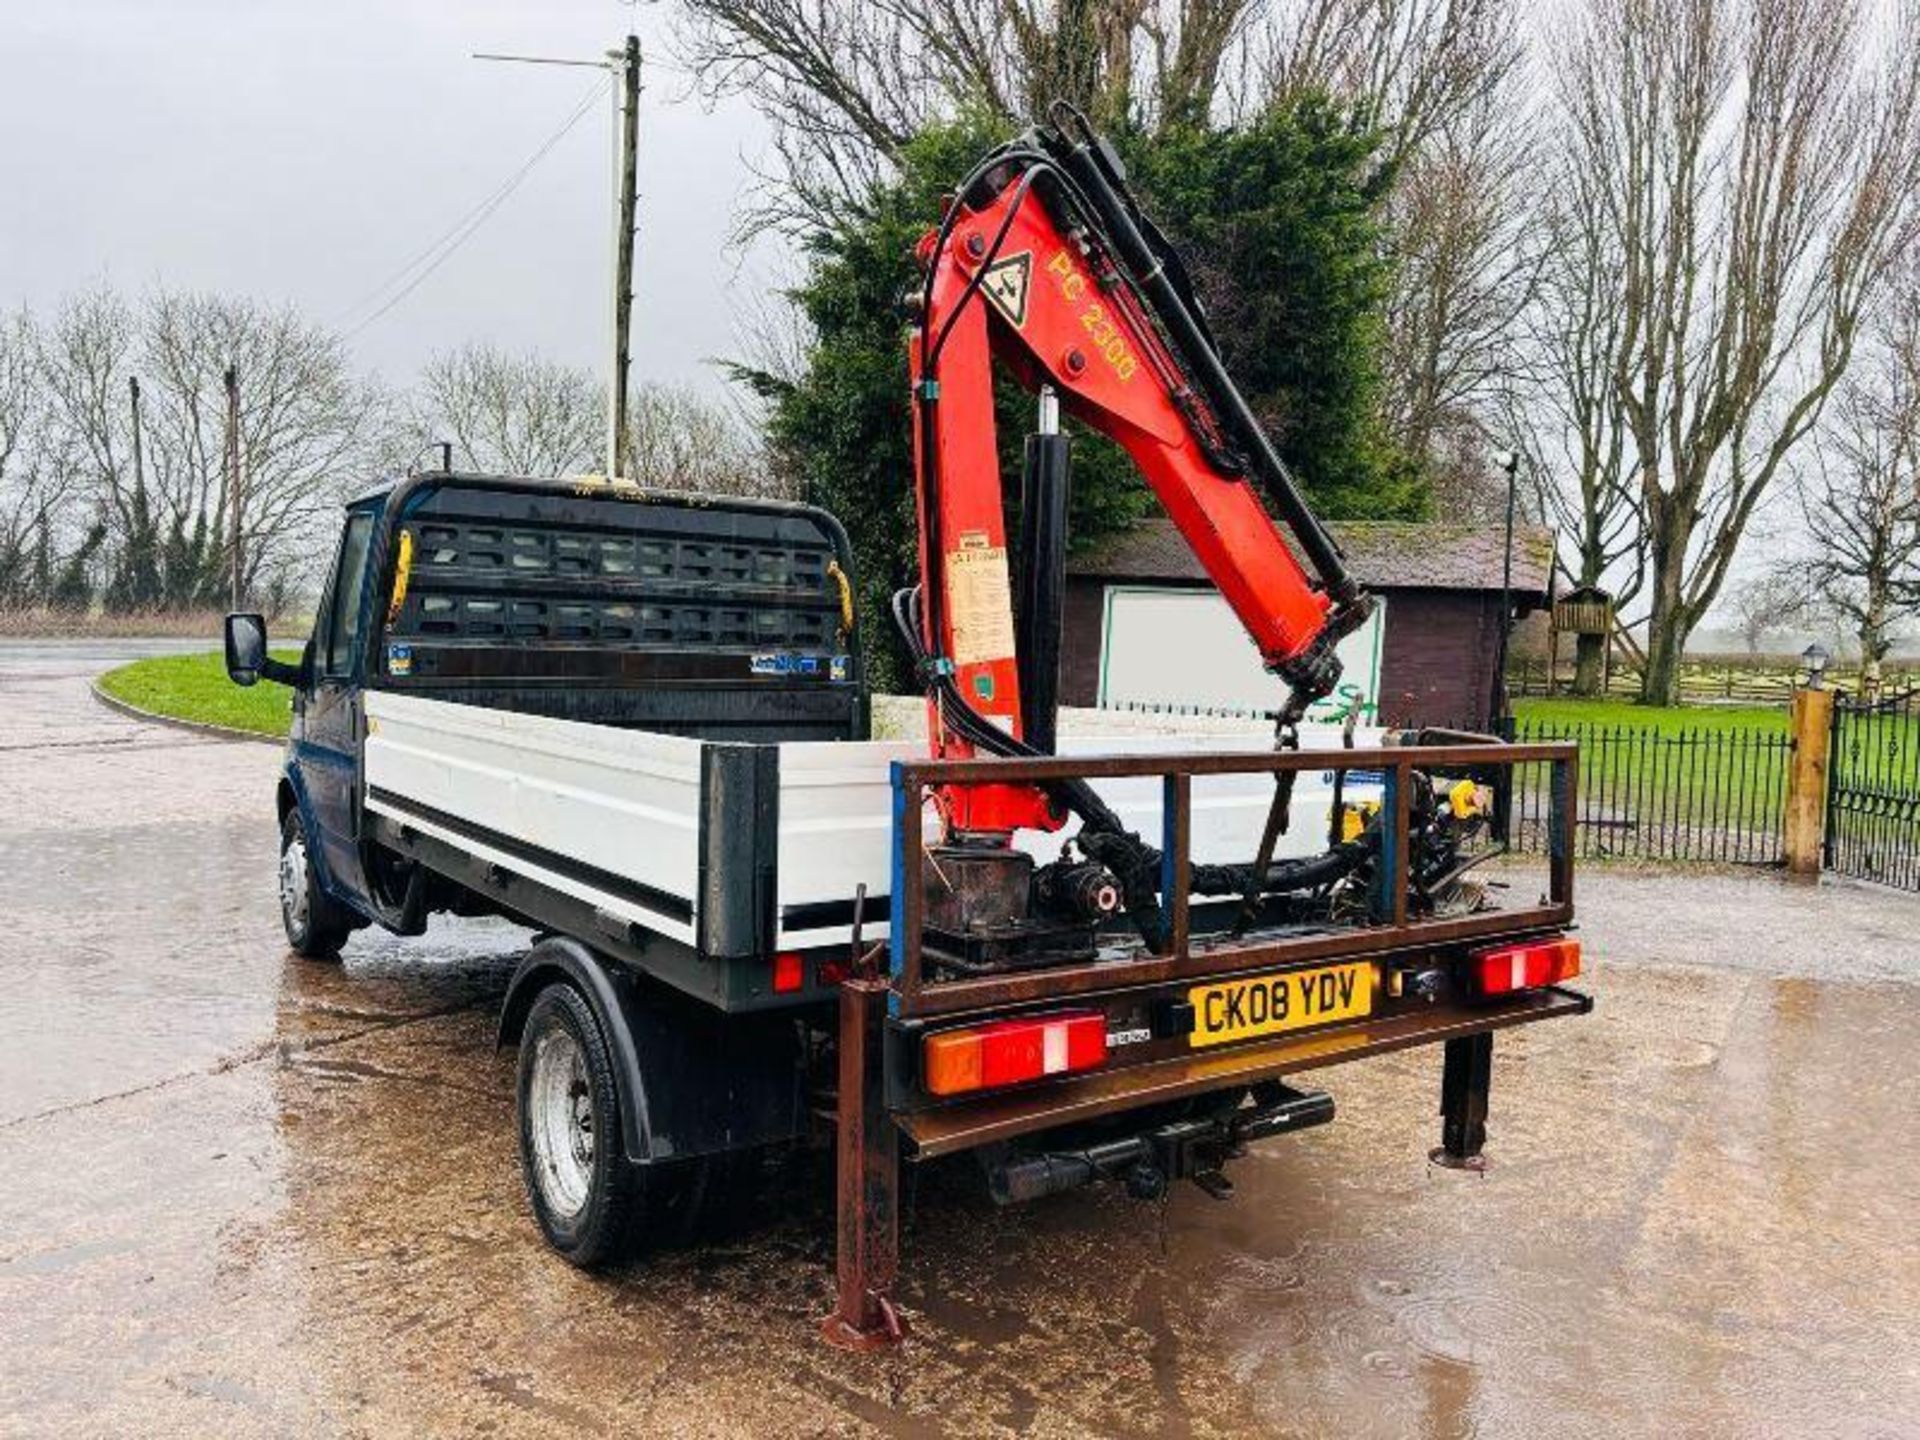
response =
{"points": [[867, 1253], [1465, 1078]]}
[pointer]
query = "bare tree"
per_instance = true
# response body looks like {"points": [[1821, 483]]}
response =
{"points": [[681, 440], [307, 422], [1467, 251], [1759, 161], [1765, 603], [1571, 414], [84, 356], [845, 86], [1447, 82], [1420, 65], [32, 490], [1862, 501], [525, 415], [847, 82], [512, 414]]}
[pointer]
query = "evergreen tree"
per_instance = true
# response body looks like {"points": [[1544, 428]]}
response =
{"points": [[1279, 222], [136, 584], [73, 590], [179, 572], [40, 579], [193, 565], [211, 589]]}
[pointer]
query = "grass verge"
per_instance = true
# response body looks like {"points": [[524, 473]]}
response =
{"points": [[196, 687]]}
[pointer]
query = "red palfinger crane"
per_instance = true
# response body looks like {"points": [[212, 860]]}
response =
{"points": [[1046, 263]]}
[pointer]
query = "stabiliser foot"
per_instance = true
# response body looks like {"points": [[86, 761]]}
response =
{"points": [[1465, 1077], [867, 1183], [888, 1328]]}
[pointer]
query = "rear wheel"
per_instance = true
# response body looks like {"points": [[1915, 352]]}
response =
{"points": [[594, 1205], [316, 925]]}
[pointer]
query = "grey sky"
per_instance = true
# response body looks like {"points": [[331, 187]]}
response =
{"points": [[304, 152]]}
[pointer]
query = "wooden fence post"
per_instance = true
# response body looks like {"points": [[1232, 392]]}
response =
{"points": [[1810, 729]]}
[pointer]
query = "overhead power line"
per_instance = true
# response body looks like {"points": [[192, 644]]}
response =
{"points": [[411, 275], [623, 63]]}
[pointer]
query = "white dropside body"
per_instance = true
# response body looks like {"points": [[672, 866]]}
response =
{"points": [[560, 802]]}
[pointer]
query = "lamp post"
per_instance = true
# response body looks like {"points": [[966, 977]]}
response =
{"points": [[1509, 461]]}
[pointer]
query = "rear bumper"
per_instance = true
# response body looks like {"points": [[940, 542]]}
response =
{"points": [[1010, 1114]]}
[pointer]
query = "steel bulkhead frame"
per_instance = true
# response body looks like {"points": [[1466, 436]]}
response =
{"points": [[400, 500]]}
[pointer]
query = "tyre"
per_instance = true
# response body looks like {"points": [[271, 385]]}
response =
{"points": [[317, 925], [594, 1205]]}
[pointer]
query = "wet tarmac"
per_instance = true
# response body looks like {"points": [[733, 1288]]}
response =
{"points": [[242, 1194]]}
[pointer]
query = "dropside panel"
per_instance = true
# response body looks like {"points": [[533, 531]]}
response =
{"points": [[608, 816], [836, 818]]}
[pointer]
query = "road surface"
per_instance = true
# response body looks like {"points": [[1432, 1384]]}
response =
{"points": [[243, 1194]]}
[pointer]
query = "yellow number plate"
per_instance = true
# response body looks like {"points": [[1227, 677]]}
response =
{"points": [[1269, 1004]]}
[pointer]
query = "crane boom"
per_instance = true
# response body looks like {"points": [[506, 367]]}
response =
{"points": [[1045, 262]]}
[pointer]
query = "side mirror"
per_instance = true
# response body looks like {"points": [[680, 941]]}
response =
{"points": [[246, 648]]}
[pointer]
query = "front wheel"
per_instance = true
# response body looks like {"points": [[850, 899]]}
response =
{"points": [[594, 1205], [316, 925]]}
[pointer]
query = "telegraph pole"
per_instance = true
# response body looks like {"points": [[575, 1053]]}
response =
{"points": [[629, 145], [233, 475], [139, 460], [624, 65]]}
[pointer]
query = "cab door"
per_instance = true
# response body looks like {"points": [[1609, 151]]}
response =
{"points": [[333, 719]]}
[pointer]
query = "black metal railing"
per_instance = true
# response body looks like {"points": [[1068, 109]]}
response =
{"points": [[1694, 793], [1705, 792], [1873, 789]]}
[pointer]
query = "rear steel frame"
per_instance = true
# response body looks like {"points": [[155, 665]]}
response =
{"points": [[884, 1117]]}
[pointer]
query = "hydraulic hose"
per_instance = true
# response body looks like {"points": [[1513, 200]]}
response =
{"points": [[1103, 836]]}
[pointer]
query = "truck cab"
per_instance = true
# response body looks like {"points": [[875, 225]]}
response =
{"points": [[324, 739]]}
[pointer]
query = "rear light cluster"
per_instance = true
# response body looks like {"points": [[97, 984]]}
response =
{"points": [[1009, 1051], [1525, 967], [789, 973]]}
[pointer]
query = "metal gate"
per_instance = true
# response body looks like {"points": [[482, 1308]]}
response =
{"points": [[1873, 789]]}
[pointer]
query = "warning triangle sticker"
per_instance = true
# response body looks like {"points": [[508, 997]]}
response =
{"points": [[1006, 285]]}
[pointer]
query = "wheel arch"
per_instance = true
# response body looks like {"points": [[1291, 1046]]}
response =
{"points": [[693, 1081], [290, 794], [557, 960]]}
